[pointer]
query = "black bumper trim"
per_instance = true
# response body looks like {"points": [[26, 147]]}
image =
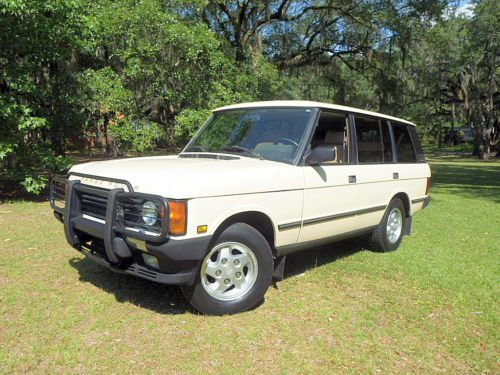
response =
{"points": [[176, 250], [144, 272], [181, 250], [426, 201]]}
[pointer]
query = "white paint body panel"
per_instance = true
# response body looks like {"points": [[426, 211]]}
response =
{"points": [[217, 189]]}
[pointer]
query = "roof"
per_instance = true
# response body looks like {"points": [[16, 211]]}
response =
{"points": [[308, 104]]}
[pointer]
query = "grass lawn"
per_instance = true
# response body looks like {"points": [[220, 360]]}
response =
{"points": [[430, 307]]}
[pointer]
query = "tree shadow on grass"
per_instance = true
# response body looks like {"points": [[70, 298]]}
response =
{"points": [[163, 299], [468, 181]]}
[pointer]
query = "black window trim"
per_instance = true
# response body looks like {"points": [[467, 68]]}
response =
{"points": [[391, 137]]}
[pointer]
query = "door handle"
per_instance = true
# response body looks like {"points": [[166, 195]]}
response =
{"points": [[352, 179], [395, 176]]}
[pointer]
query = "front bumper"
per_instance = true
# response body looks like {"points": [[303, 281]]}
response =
{"points": [[105, 243]]}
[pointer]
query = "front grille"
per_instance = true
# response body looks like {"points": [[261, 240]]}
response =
{"points": [[127, 216], [93, 204]]}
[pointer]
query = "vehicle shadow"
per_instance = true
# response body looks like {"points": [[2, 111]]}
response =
{"points": [[163, 299], [167, 299], [300, 262]]}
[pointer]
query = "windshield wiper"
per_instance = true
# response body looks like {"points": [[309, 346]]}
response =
{"points": [[242, 150]]}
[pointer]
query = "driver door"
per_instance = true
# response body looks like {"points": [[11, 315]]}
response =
{"points": [[329, 189]]}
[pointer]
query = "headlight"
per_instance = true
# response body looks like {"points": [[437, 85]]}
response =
{"points": [[149, 213]]}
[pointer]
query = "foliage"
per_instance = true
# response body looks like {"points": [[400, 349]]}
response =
{"points": [[188, 122], [125, 74], [37, 106], [259, 79], [35, 185], [138, 135], [25, 156]]}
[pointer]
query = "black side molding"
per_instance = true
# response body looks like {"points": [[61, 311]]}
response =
{"points": [[288, 249], [291, 225], [344, 214], [321, 219]]}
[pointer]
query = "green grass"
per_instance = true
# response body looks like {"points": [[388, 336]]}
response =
{"points": [[430, 307]]}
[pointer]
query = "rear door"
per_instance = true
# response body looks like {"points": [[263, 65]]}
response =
{"points": [[377, 173]]}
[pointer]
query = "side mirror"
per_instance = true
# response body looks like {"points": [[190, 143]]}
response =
{"points": [[321, 154]]}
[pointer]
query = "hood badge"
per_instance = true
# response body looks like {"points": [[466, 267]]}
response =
{"points": [[102, 183]]}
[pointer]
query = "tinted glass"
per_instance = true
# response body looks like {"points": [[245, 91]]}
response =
{"points": [[416, 144], [268, 133], [386, 141], [369, 140], [404, 145], [332, 132]]}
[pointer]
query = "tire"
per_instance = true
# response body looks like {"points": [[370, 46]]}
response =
{"points": [[234, 275], [389, 233]]}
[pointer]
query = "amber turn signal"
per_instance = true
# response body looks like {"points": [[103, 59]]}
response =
{"points": [[178, 217]]}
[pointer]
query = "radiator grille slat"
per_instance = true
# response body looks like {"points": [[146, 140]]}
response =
{"points": [[93, 205]]}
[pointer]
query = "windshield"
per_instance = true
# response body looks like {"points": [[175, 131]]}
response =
{"points": [[265, 133]]}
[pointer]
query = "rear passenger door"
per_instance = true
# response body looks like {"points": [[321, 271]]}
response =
{"points": [[376, 172], [411, 167]]}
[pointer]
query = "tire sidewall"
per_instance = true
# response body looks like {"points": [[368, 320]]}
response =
{"points": [[253, 239], [395, 203]]}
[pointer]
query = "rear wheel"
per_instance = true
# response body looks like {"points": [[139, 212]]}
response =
{"points": [[235, 274], [389, 233]]}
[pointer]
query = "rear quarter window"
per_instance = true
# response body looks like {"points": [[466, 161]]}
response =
{"points": [[416, 144], [404, 146]]}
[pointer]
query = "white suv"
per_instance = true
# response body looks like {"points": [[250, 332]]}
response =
{"points": [[258, 181]]}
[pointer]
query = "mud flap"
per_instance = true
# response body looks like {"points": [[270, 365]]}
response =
{"points": [[279, 270], [408, 221]]}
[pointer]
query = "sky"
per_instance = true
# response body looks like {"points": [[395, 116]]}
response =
{"points": [[465, 8]]}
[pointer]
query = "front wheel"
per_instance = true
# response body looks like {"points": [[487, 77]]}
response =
{"points": [[234, 275], [389, 233]]}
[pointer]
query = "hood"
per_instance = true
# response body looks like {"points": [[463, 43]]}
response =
{"points": [[180, 177]]}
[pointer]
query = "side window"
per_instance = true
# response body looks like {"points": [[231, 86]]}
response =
{"points": [[404, 145], [369, 140], [332, 130], [416, 144], [386, 141]]}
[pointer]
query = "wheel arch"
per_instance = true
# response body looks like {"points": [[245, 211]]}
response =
{"points": [[406, 201], [256, 219]]}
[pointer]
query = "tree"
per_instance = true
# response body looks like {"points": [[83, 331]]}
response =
{"points": [[37, 91], [479, 78]]}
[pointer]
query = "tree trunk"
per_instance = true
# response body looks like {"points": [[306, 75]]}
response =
{"points": [[440, 138], [485, 144]]}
